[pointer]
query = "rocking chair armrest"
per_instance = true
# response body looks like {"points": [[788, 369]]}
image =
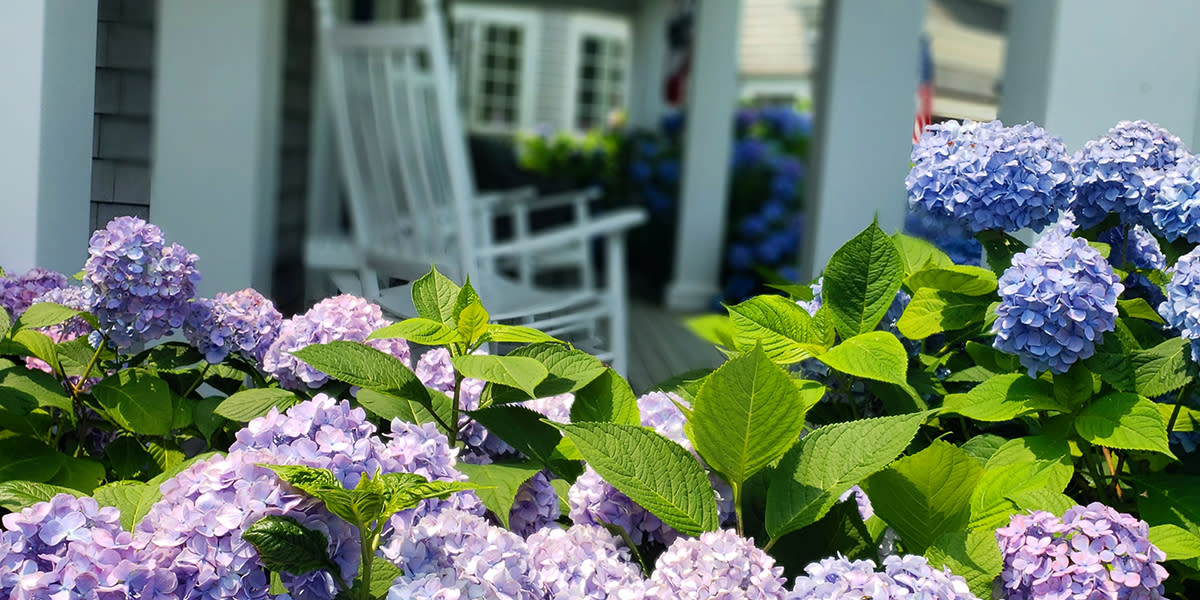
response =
{"points": [[605, 225], [526, 198]]}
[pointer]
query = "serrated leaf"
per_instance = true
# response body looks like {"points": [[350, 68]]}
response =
{"points": [[128, 457], [607, 398], [714, 329], [132, 498], [1177, 542], [18, 494], [310, 480], [5, 320], [205, 417], [973, 555], [472, 322], [287, 546], [247, 405], [748, 414], [388, 407], [364, 366], [1163, 368], [28, 459], [990, 503], [999, 248], [657, 473], [959, 279], [568, 371], [1125, 421], [876, 355], [933, 311], [1187, 420], [79, 474], [27, 342], [1045, 499], [512, 371], [1035, 448], [926, 495], [861, 281], [383, 575], [418, 330], [518, 334], [1003, 398], [917, 253], [982, 447], [22, 390], [1113, 359], [972, 374], [164, 458], [1073, 388], [827, 462], [465, 298], [685, 385], [136, 401], [434, 296], [525, 430], [781, 326], [1138, 308], [405, 490], [45, 314], [503, 481]]}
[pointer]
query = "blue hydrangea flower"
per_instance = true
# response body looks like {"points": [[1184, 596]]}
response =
{"points": [[345, 317], [903, 577], [1120, 171], [583, 562], [1181, 310], [1092, 552], [1056, 302], [244, 322], [948, 235], [718, 564], [749, 152], [535, 506], [1175, 209], [668, 171], [142, 287], [988, 176], [1140, 248], [19, 293]]}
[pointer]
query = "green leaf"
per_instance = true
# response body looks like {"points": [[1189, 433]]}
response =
{"points": [[999, 248], [990, 503], [205, 417], [658, 474], [5, 320], [132, 498], [1125, 421], [170, 355], [983, 446], [607, 398], [466, 297], [960, 279], [1163, 368], [1045, 499], [434, 297], [714, 329], [503, 480], [17, 495], [827, 462], [28, 342], [747, 414], [128, 457], [1138, 308], [781, 326], [1177, 542], [418, 330], [388, 407], [473, 322], [517, 334], [310, 480], [165, 458], [136, 401], [247, 405], [1003, 398], [45, 314], [917, 253], [569, 370], [1073, 388], [361, 365], [525, 430], [383, 575], [287, 546], [926, 495], [1113, 359], [29, 460], [79, 474], [686, 385], [406, 490], [933, 311], [876, 355], [1034, 448], [973, 555], [861, 281], [511, 371], [1188, 419], [22, 390]]}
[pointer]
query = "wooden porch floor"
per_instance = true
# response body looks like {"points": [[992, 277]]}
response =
{"points": [[661, 347]]}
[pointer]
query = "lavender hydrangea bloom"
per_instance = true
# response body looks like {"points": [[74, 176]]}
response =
{"points": [[1139, 248], [718, 565], [244, 322], [535, 507], [902, 577], [988, 176], [71, 548], [340, 318], [1176, 206], [142, 286], [19, 293], [1121, 172], [865, 509], [1092, 552], [812, 306], [584, 562], [1056, 301], [1181, 310]]}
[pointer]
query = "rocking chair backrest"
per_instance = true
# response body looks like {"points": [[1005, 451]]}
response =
{"points": [[401, 143]]}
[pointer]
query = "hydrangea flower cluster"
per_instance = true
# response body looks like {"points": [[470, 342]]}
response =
{"points": [[904, 577], [1056, 301], [1120, 172], [988, 176], [142, 286], [584, 562], [948, 235], [718, 564], [19, 293], [244, 322], [340, 318], [1092, 552], [1175, 210], [1181, 310], [535, 506], [1139, 248], [71, 548]]}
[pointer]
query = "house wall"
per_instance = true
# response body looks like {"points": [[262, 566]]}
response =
{"points": [[552, 69]]}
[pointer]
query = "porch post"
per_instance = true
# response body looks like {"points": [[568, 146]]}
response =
{"points": [[216, 136], [646, 105], [49, 70], [863, 130], [712, 98]]}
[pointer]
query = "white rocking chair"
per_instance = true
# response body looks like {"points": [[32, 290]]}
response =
{"points": [[413, 203]]}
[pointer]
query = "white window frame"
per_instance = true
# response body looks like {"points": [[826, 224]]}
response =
{"points": [[530, 23], [584, 24]]}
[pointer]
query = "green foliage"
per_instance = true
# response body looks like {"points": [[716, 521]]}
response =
{"points": [[933, 311], [17, 494], [247, 405], [1126, 421], [785, 330], [861, 281], [502, 481], [287, 546]]}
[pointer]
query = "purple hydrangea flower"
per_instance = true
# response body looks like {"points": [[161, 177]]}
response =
{"points": [[1056, 302], [1120, 172], [903, 577], [72, 548], [535, 507], [865, 509], [988, 176], [142, 286], [584, 562], [19, 293], [718, 564], [340, 318], [1176, 206], [243, 322], [1181, 310], [1140, 248], [1092, 552]]}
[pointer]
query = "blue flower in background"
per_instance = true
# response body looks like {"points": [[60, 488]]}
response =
{"points": [[753, 226], [774, 211], [1141, 248], [789, 273], [1119, 172], [789, 167], [668, 171], [648, 148], [740, 286], [749, 152], [783, 188], [740, 256], [639, 171], [657, 201], [672, 124], [947, 235], [785, 121], [744, 119], [1181, 310], [1176, 208], [770, 251]]}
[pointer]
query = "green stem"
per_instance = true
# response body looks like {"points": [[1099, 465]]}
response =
{"points": [[1175, 411], [737, 507], [88, 370], [454, 409], [1089, 459], [368, 558], [199, 378], [770, 544]]}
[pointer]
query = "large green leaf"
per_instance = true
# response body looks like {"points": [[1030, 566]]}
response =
{"points": [[136, 401], [472, 321], [17, 494], [518, 334], [525, 430], [827, 462], [132, 498], [1163, 368], [359, 364], [1003, 398], [876, 355], [1125, 421], [1139, 308], [568, 371], [1177, 542], [247, 405], [388, 407], [29, 389], [45, 314], [517, 372], [973, 555], [861, 281], [926, 495], [28, 459], [79, 474], [287, 546], [434, 296], [1113, 359], [607, 398], [501, 483], [959, 279], [933, 311], [27, 342], [991, 505], [782, 327], [917, 253], [657, 473], [747, 414], [419, 330], [999, 248], [715, 329]]}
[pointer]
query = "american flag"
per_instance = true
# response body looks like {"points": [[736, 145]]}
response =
{"points": [[924, 91]]}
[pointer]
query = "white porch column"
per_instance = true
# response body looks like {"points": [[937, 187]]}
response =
{"points": [[49, 72], [864, 118], [1077, 67], [216, 136], [646, 105], [712, 98]]}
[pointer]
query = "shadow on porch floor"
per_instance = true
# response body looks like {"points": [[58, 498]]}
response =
{"points": [[662, 347]]}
